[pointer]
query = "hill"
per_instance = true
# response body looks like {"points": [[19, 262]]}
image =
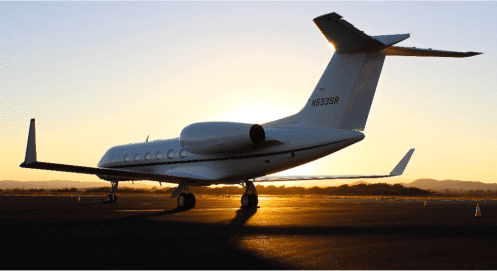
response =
{"points": [[453, 185]]}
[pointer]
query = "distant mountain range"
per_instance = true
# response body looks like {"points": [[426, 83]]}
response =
{"points": [[431, 184]]}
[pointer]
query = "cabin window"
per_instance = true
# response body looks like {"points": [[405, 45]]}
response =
{"points": [[170, 154], [182, 153], [147, 156], [126, 158], [137, 157], [159, 155]]}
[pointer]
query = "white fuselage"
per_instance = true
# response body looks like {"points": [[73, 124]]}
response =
{"points": [[284, 148]]}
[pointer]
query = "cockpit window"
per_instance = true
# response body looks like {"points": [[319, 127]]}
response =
{"points": [[170, 154], [126, 158]]}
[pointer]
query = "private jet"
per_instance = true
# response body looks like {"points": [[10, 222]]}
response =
{"points": [[212, 153]]}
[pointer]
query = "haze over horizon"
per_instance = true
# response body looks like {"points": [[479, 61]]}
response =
{"points": [[99, 74]]}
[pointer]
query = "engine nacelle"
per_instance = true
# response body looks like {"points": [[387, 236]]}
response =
{"points": [[220, 137]]}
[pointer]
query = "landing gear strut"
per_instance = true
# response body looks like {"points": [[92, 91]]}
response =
{"points": [[250, 198], [113, 189]]}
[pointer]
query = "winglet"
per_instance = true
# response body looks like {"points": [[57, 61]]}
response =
{"points": [[31, 148], [399, 169]]}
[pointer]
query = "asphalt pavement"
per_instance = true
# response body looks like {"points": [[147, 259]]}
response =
{"points": [[50, 232]]}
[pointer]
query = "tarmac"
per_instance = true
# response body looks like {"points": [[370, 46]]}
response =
{"points": [[50, 232]]}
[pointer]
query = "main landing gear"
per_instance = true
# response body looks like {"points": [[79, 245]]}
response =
{"points": [[250, 198], [186, 200], [113, 189]]}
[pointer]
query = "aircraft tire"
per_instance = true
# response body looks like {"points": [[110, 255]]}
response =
{"points": [[183, 201], [114, 198], [191, 200], [109, 198], [255, 200], [246, 200]]}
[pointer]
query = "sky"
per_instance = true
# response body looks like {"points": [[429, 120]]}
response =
{"points": [[100, 74]]}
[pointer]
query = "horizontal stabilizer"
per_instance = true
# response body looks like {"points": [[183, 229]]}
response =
{"points": [[390, 40], [398, 170], [406, 51]]}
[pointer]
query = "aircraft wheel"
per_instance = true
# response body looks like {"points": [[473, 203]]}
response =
{"points": [[114, 198], [109, 198], [191, 200], [255, 200], [183, 200], [246, 200]]}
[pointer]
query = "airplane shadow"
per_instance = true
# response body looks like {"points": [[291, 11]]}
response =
{"points": [[242, 216]]}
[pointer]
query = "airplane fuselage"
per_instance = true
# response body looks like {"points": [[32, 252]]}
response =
{"points": [[284, 148]]}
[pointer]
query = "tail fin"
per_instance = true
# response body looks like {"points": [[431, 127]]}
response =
{"points": [[343, 96]]}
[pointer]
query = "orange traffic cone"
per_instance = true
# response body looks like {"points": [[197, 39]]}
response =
{"points": [[478, 211], [426, 203]]}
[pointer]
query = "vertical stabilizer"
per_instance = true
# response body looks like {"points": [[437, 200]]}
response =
{"points": [[344, 94], [357, 110]]}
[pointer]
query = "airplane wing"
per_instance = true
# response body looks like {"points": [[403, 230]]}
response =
{"points": [[177, 176], [397, 171], [124, 174]]}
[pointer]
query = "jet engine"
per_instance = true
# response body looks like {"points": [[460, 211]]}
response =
{"points": [[220, 137]]}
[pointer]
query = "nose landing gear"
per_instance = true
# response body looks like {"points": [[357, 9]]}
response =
{"points": [[113, 189], [111, 198]]}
